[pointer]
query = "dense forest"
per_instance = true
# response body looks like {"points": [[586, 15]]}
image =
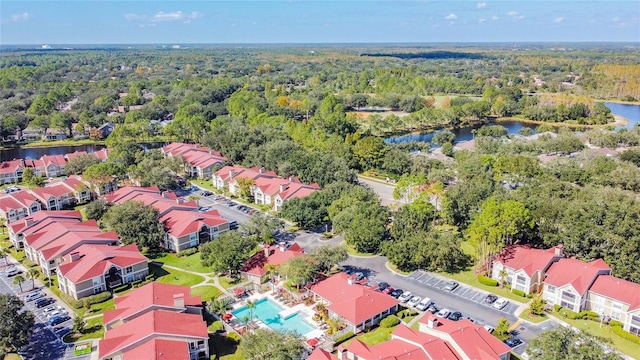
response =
{"points": [[306, 112]]}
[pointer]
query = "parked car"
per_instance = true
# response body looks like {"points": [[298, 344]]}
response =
{"points": [[424, 304], [414, 301], [388, 290], [433, 309], [54, 313], [33, 296], [207, 193], [12, 271], [489, 328], [359, 276], [500, 303], [451, 285], [396, 293], [58, 319], [443, 313], [383, 285], [405, 296], [490, 299], [44, 302], [49, 309], [455, 316], [233, 224], [513, 341]]}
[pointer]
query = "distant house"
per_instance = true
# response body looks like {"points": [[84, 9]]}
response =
{"points": [[91, 269], [568, 280], [201, 160], [32, 134], [525, 266], [54, 134], [11, 171], [48, 165], [106, 129], [358, 306], [18, 205]]}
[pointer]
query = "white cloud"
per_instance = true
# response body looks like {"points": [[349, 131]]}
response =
{"points": [[558, 20], [482, 20], [481, 5], [451, 16], [131, 17], [515, 15], [494, 18], [162, 16]]}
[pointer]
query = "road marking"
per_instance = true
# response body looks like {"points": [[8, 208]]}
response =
{"points": [[515, 325]]}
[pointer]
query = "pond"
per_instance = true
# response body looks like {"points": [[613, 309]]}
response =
{"points": [[37, 152], [630, 112]]}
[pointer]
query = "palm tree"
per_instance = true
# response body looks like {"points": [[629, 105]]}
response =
{"points": [[32, 274], [2, 221], [218, 306], [18, 280], [3, 253], [503, 276], [250, 305]]}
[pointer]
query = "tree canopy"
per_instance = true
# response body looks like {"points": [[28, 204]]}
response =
{"points": [[15, 324], [228, 252], [567, 343], [135, 222], [263, 344]]}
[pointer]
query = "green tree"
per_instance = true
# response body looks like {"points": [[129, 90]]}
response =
{"points": [[19, 280], [326, 257], [502, 329], [264, 226], [29, 178], [228, 252], [33, 274], [100, 174], [96, 209], [537, 305], [245, 184], [136, 223], [363, 225], [299, 270], [370, 151], [567, 343], [219, 306], [15, 324], [251, 304], [78, 324], [4, 252], [79, 163], [263, 344]]}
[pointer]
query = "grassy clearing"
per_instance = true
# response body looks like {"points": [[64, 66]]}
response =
{"points": [[374, 337], [12, 356], [606, 332], [93, 330], [175, 277], [191, 262], [225, 348], [101, 307], [352, 251], [536, 319], [206, 292], [205, 184], [227, 282]]}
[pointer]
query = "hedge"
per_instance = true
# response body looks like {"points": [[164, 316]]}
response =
{"points": [[344, 337], [122, 288], [613, 323], [519, 292], [98, 298], [389, 321], [617, 329], [73, 303], [188, 252], [234, 337], [487, 281]]}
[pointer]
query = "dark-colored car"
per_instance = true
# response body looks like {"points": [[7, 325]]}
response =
{"points": [[383, 285], [433, 309], [513, 341], [40, 303], [451, 285], [207, 193], [397, 292], [490, 299], [388, 290], [58, 319], [233, 224], [455, 316], [359, 276]]}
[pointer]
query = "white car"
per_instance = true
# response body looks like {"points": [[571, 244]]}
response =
{"points": [[49, 309], [500, 303], [414, 301], [34, 295], [56, 312], [489, 328], [405, 296], [443, 313], [12, 271], [424, 304]]}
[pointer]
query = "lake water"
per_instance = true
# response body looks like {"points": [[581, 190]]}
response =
{"points": [[36, 153], [630, 112]]}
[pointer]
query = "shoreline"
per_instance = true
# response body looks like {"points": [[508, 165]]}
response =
{"points": [[619, 120]]}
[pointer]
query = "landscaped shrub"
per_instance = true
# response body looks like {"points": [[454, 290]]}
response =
{"points": [[149, 277], [519, 292], [98, 298], [188, 252], [530, 295], [136, 283], [411, 312], [234, 337], [617, 329], [569, 314], [487, 281], [389, 321], [613, 323], [344, 337], [122, 288], [557, 308], [591, 315], [75, 304], [215, 326]]}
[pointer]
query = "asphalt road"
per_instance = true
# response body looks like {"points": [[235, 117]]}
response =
{"points": [[384, 191]]}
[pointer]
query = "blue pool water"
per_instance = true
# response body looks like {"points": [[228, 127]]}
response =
{"points": [[267, 312]]}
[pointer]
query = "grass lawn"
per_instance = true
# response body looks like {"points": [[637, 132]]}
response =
{"points": [[352, 251], [536, 319], [204, 183], [470, 278], [191, 262], [101, 307], [93, 330], [175, 277], [605, 331], [377, 336], [408, 319], [393, 267], [228, 283], [12, 356], [223, 348], [206, 292]]}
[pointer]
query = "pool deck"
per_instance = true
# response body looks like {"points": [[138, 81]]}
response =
{"points": [[305, 311]]}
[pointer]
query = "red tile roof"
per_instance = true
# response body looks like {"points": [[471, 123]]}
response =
{"points": [[38, 219], [353, 302], [74, 154], [296, 190], [575, 272], [257, 264], [17, 200], [56, 191], [158, 349], [118, 195], [618, 289], [10, 167], [528, 259], [95, 260], [8, 203], [71, 241], [321, 354], [57, 160], [152, 325], [180, 222], [474, 340]]}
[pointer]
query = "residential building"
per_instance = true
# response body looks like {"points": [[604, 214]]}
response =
{"points": [[107, 128], [358, 306], [17, 205], [405, 343], [525, 267], [48, 165], [51, 197], [92, 269], [293, 190], [33, 223], [201, 160], [471, 341], [568, 280], [186, 229], [256, 268], [618, 299], [321, 354], [11, 171], [150, 297]]}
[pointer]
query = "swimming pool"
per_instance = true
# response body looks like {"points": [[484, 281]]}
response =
{"points": [[267, 312]]}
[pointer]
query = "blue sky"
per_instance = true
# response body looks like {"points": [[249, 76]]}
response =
{"points": [[355, 21]]}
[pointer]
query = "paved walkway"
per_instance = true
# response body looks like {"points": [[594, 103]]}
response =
{"points": [[209, 278]]}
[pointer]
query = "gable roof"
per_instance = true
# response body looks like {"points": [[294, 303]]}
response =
{"points": [[321, 354], [578, 273], [17, 200], [11, 166], [182, 222], [151, 325], [527, 259], [154, 293], [57, 160], [95, 260], [121, 195], [33, 222], [159, 349], [257, 264], [56, 191], [618, 289], [297, 190], [353, 302]]}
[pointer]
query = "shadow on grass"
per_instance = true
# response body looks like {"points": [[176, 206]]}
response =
{"points": [[157, 270], [221, 345]]}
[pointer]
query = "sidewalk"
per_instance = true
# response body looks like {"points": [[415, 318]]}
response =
{"points": [[207, 277]]}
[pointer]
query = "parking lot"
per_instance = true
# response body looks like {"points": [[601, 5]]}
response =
{"points": [[462, 290]]}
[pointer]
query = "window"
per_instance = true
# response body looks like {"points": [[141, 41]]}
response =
{"points": [[567, 296], [97, 281], [551, 289], [128, 269], [521, 279], [596, 299], [615, 315], [215, 229], [635, 320]]}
